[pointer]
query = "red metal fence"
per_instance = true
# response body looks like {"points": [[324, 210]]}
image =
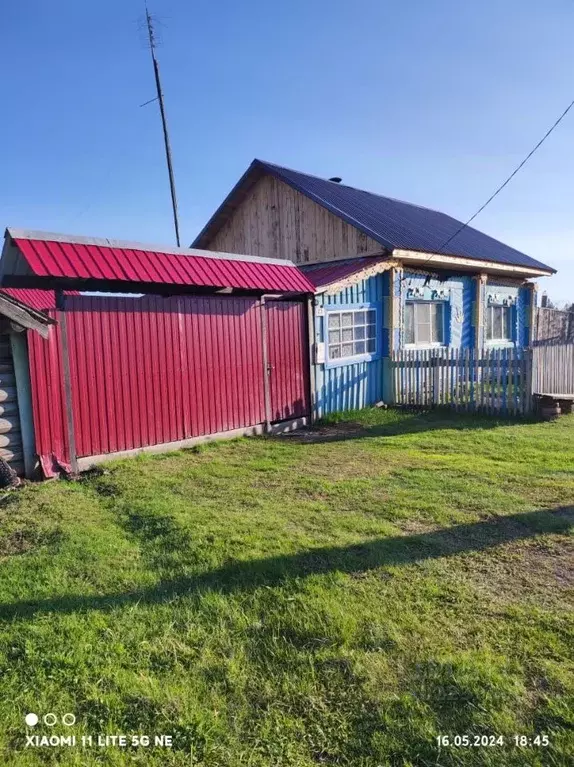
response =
{"points": [[156, 370]]}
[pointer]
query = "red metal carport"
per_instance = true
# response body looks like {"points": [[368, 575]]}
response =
{"points": [[218, 345]]}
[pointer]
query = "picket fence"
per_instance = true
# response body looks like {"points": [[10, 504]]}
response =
{"points": [[491, 381]]}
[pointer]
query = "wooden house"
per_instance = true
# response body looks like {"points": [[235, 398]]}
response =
{"points": [[388, 275]]}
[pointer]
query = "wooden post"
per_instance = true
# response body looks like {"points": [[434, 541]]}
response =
{"points": [[532, 313], [61, 305], [311, 356], [480, 282], [266, 369]]}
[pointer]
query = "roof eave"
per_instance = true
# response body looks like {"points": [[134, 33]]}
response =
{"points": [[464, 263]]}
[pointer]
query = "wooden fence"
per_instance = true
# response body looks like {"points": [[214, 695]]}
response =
{"points": [[553, 326], [553, 369], [492, 381]]}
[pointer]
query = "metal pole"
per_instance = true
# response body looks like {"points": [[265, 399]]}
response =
{"points": [[164, 125]]}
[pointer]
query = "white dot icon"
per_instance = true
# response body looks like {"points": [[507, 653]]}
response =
{"points": [[31, 720]]}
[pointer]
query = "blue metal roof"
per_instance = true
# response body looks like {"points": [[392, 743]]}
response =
{"points": [[392, 223]]}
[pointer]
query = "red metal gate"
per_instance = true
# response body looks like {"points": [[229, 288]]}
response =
{"points": [[152, 370], [288, 359]]}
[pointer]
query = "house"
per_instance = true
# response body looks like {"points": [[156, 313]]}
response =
{"points": [[388, 276], [217, 346]]}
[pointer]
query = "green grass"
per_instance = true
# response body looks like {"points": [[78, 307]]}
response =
{"points": [[340, 598]]}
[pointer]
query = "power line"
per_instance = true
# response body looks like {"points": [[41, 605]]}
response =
{"points": [[501, 187]]}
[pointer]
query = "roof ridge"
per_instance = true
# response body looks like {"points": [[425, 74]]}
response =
{"points": [[267, 164]]}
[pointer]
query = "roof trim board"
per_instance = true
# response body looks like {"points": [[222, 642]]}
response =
{"points": [[472, 264]]}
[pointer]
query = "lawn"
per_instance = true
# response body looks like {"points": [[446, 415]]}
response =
{"points": [[338, 598]]}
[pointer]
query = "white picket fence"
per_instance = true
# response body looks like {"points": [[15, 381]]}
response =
{"points": [[491, 381]]}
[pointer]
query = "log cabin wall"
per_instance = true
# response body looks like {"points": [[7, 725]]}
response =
{"points": [[277, 221]]}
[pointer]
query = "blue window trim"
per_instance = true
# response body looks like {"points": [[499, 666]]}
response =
{"points": [[503, 343], [341, 362]]}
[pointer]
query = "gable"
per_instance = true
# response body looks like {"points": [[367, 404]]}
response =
{"points": [[277, 221]]}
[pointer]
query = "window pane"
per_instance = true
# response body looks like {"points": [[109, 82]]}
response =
{"points": [[347, 334], [371, 346], [359, 333], [489, 335], [334, 336], [423, 314], [334, 320], [497, 321], [371, 316], [347, 350], [437, 313], [423, 333], [409, 323], [347, 319], [506, 317], [334, 352], [360, 347], [359, 318]]}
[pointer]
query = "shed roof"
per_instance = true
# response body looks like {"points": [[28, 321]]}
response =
{"points": [[41, 300], [325, 274], [82, 262], [393, 223]]}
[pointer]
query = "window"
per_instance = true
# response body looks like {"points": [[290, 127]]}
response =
{"points": [[498, 323], [351, 333], [424, 323]]}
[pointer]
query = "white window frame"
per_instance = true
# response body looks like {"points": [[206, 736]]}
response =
{"points": [[353, 309], [425, 344], [508, 309]]}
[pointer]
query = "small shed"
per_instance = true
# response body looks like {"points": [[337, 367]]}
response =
{"points": [[210, 345]]}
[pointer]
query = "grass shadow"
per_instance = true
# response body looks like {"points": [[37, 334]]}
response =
{"points": [[357, 558]]}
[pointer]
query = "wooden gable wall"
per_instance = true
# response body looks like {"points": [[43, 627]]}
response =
{"points": [[278, 222]]}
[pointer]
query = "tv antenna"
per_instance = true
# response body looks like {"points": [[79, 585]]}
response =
{"points": [[159, 97]]}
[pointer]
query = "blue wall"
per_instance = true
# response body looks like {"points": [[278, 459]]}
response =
{"points": [[360, 384], [356, 385]]}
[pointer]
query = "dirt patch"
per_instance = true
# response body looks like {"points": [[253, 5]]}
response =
{"points": [[330, 433], [539, 572]]}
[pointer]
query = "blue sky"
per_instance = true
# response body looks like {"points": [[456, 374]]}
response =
{"points": [[432, 102]]}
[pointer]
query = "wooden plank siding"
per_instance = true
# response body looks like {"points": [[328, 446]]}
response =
{"points": [[277, 221]]}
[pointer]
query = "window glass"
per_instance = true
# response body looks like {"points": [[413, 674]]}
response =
{"points": [[424, 323], [351, 333], [410, 323], [334, 336], [498, 323]]}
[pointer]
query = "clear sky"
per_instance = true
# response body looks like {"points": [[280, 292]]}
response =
{"points": [[432, 102]]}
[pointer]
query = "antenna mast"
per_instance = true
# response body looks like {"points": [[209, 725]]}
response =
{"points": [[152, 45]]}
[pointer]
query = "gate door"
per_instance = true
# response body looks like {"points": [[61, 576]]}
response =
{"points": [[287, 358]]}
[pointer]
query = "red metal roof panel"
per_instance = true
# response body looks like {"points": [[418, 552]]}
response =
{"points": [[84, 260], [42, 300], [322, 275]]}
